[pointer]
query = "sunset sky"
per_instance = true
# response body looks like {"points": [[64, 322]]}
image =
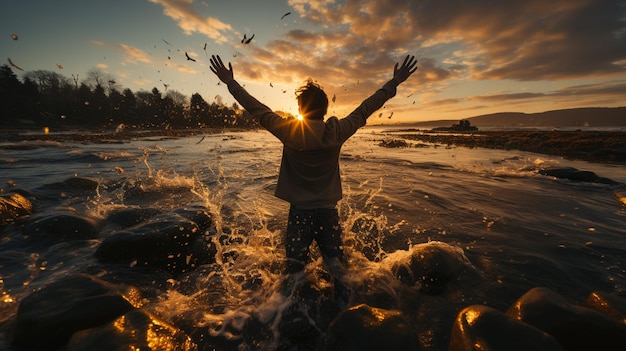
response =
{"points": [[475, 57]]}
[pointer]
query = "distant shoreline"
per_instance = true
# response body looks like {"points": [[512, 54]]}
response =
{"points": [[592, 146]]}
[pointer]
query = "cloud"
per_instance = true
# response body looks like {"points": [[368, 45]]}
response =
{"points": [[532, 39], [520, 40], [190, 22], [351, 46], [134, 55]]}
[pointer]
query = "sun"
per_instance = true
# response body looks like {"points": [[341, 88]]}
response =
{"points": [[299, 117]]}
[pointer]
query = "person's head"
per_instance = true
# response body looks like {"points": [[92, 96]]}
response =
{"points": [[312, 101]]}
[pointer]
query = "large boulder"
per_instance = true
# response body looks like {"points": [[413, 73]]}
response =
{"points": [[168, 241], [47, 318], [483, 328], [575, 327], [364, 328], [135, 330]]}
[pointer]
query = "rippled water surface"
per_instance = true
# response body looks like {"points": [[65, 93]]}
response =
{"points": [[517, 228]]}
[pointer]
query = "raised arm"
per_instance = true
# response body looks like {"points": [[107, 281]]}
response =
{"points": [[223, 73], [409, 66]]}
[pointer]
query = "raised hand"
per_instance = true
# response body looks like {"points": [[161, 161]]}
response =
{"points": [[408, 67], [223, 73]]}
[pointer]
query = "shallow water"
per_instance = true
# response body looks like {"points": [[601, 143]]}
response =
{"points": [[517, 229]]}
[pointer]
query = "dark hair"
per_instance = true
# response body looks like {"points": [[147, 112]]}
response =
{"points": [[312, 100]]}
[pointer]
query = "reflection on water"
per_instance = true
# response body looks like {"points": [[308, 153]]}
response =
{"points": [[512, 228]]}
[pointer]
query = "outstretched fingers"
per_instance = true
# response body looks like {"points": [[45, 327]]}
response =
{"points": [[408, 67], [410, 63]]}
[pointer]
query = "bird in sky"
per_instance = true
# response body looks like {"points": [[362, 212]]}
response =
{"points": [[14, 65], [60, 66], [249, 39], [165, 41], [189, 58], [287, 14], [244, 38]]}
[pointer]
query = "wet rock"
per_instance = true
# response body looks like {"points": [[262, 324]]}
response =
{"points": [[480, 327], [198, 215], [167, 241], [47, 318], [366, 328], [433, 265], [136, 330], [576, 175], [14, 206], [61, 226], [609, 305], [574, 327], [129, 217], [81, 183], [69, 188]]}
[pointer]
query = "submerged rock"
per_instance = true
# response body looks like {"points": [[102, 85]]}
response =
{"points": [[575, 327], [576, 175], [47, 318], [135, 330], [61, 226], [483, 328], [363, 328], [129, 217]]}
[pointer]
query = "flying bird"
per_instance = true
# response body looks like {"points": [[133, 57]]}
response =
{"points": [[165, 41], [60, 66], [14, 65], [189, 58], [249, 39], [244, 38], [287, 14], [390, 115], [272, 85]]}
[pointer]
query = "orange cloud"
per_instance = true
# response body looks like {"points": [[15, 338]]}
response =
{"points": [[190, 22]]}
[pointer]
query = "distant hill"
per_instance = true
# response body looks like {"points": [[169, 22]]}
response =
{"points": [[578, 117]]}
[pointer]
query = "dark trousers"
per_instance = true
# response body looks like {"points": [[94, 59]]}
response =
{"points": [[306, 225]]}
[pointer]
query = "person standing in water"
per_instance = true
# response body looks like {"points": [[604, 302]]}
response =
{"points": [[309, 176]]}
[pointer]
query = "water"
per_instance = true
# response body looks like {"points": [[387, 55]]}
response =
{"points": [[516, 228]]}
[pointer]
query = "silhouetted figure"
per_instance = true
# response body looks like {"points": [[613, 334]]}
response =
{"points": [[309, 177]]}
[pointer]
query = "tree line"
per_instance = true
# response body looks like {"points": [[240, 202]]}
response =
{"points": [[47, 98]]}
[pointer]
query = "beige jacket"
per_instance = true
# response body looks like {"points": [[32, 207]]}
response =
{"points": [[309, 175]]}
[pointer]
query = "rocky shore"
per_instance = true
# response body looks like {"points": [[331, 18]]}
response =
{"points": [[593, 146]]}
